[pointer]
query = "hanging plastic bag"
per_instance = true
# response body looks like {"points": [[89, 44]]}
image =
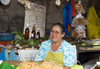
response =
{"points": [[93, 26], [79, 32], [82, 11], [13, 56], [78, 6], [79, 20], [27, 54]]}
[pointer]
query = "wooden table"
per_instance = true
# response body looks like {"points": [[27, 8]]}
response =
{"points": [[86, 55], [90, 50], [15, 63]]}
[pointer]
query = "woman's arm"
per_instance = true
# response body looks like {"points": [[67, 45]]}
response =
{"points": [[69, 56], [66, 67]]}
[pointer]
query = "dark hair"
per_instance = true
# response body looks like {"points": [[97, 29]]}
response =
{"points": [[60, 25]]}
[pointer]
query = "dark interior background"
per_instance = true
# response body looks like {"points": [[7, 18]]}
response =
{"points": [[16, 13]]}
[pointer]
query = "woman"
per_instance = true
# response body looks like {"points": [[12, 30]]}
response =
{"points": [[55, 49]]}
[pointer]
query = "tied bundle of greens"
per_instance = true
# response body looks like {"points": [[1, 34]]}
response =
{"points": [[19, 38]]}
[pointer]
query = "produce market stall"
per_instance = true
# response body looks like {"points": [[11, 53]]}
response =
{"points": [[20, 43]]}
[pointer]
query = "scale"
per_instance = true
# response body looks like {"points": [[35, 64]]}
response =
{"points": [[4, 4]]}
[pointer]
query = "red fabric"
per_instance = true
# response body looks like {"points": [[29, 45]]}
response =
{"points": [[73, 9], [68, 27]]}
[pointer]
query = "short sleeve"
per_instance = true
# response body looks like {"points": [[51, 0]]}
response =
{"points": [[39, 55], [44, 48], [69, 54]]}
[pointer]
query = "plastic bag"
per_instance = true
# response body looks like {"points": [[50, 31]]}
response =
{"points": [[93, 28], [79, 20], [78, 6], [2, 54], [79, 32], [13, 56], [82, 11], [7, 55], [27, 54]]}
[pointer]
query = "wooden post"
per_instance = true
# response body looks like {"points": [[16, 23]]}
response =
{"points": [[77, 49]]}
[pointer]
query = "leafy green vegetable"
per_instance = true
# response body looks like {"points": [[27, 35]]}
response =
{"points": [[6, 66], [81, 44], [46, 37], [38, 42], [19, 38], [17, 41], [31, 42], [73, 43]]}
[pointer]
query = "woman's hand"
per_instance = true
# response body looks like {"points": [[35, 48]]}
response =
{"points": [[66, 67]]}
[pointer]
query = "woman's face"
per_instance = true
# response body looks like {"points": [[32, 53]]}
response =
{"points": [[56, 34]]}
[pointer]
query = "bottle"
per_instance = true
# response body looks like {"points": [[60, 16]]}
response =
{"points": [[98, 65], [33, 33], [27, 33], [38, 34]]}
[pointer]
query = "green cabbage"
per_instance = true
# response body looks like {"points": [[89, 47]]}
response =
{"points": [[77, 67], [31, 42], [18, 67], [96, 43], [6, 66]]}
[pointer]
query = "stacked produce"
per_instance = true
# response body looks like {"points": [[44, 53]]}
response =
{"points": [[29, 65], [20, 40], [44, 65], [79, 22], [34, 65]]}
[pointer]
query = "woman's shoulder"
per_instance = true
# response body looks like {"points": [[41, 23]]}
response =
{"points": [[46, 43], [66, 43]]}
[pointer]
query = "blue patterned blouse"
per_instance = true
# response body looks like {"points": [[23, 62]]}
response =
{"points": [[69, 56]]}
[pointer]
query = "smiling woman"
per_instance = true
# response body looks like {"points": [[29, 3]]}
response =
{"points": [[57, 32], [56, 49]]}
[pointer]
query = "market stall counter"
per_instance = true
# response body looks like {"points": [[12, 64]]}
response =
{"points": [[15, 63]]}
